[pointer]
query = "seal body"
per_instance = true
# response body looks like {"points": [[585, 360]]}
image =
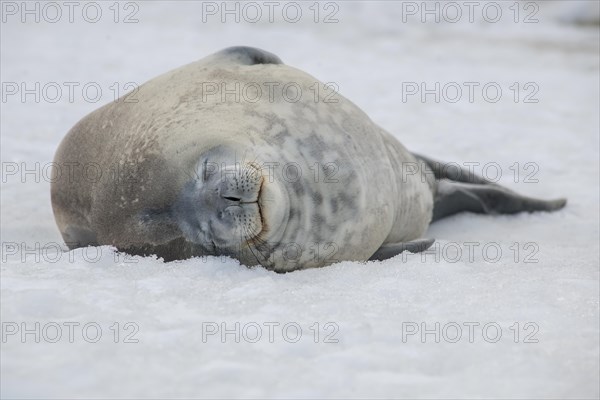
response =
{"points": [[240, 155]]}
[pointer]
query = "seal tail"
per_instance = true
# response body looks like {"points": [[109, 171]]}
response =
{"points": [[459, 189]]}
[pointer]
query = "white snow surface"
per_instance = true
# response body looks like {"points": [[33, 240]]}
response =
{"points": [[548, 292]]}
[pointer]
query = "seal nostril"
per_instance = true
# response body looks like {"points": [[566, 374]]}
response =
{"points": [[236, 199]]}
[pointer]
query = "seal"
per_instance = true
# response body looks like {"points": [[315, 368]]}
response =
{"points": [[240, 155]]}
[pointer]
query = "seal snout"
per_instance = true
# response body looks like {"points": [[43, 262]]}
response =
{"points": [[220, 207], [228, 198], [240, 184]]}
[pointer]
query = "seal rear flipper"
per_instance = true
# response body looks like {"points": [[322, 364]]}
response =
{"points": [[391, 250], [454, 197], [245, 55], [453, 172]]}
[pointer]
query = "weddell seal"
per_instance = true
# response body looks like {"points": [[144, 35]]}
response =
{"points": [[240, 155]]}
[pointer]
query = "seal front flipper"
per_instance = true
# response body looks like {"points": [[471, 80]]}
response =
{"points": [[245, 55], [78, 236], [390, 250], [453, 197]]}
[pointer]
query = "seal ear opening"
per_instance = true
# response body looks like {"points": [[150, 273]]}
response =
{"points": [[245, 55]]}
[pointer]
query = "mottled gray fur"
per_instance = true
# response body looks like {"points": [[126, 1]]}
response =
{"points": [[179, 171]]}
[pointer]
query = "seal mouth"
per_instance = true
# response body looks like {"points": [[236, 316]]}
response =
{"points": [[259, 201]]}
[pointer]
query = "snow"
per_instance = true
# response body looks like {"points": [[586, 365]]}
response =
{"points": [[543, 285]]}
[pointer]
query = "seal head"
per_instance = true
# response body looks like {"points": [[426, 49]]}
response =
{"points": [[224, 206]]}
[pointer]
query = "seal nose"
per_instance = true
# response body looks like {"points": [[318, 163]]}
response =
{"points": [[240, 184]]}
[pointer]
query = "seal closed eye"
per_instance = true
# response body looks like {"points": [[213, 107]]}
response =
{"points": [[215, 158]]}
